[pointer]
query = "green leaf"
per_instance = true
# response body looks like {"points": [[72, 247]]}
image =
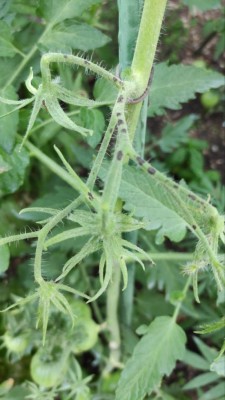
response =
{"points": [[12, 179], [196, 361], [17, 392], [105, 91], [4, 166], [4, 7], [6, 47], [8, 66], [145, 199], [77, 36], [176, 84], [218, 366], [201, 380], [203, 5], [175, 134], [24, 7], [154, 356], [93, 119], [4, 258], [9, 123], [208, 352], [55, 11], [215, 393]]}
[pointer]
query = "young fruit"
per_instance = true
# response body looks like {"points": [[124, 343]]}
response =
{"points": [[48, 370], [84, 336], [209, 99], [200, 63]]}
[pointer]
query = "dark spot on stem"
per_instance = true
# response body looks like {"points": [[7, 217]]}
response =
{"points": [[123, 130], [65, 56], [140, 160], [118, 114], [120, 122], [115, 79], [175, 186], [194, 227], [120, 99], [119, 155], [192, 197], [90, 196], [151, 170], [86, 62]]}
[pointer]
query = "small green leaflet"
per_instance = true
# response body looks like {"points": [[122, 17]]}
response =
{"points": [[145, 199], [218, 366], [176, 84], [9, 123], [17, 162], [93, 119], [201, 380], [6, 47], [175, 134], [77, 37], [154, 356], [4, 259], [215, 393], [56, 11]]}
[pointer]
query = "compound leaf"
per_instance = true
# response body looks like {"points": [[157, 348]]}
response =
{"points": [[176, 84], [154, 356]]}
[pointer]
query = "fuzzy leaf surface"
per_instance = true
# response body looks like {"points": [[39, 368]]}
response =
{"points": [[147, 200], [173, 85], [6, 47], [154, 356], [8, 124], [12, 179], [77, 36], [56, 11]]}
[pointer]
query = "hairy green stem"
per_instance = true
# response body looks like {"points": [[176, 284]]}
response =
{"points": [[184, 293], [50, 164], [44, 233], [49, 58], [145, 49], [129, 21], [102, 151], [113, 293], [148, 36]]}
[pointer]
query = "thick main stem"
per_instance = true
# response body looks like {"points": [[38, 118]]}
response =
{"points": [[113, 293], [141, 67], [129, 21]]}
